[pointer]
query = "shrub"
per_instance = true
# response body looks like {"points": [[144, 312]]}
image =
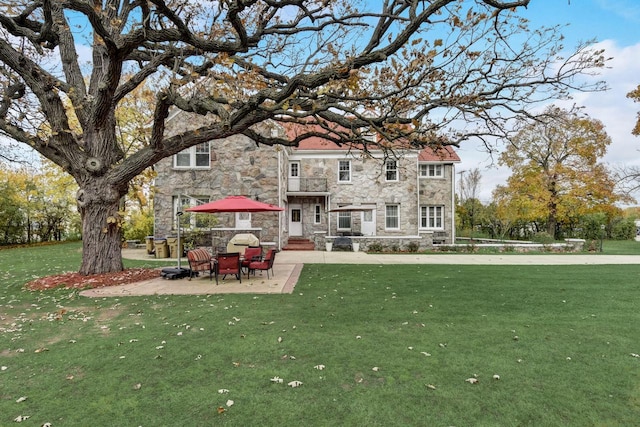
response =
{"points": [[139, 226], [543, 237], [412, 247], [375, 247]]}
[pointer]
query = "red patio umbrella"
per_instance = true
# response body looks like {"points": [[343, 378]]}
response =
{"points": [[235, 204]]}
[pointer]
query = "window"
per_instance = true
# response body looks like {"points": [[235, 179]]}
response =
{"points": [[432, 217], [294, 169], [188, 219], [198, 157], [344, 220], [317, 217], [431, 171], [344, 171], [391, 169], [392, 217]]}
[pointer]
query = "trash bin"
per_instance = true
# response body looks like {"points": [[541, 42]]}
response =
{"points": [[172, 242], [149, 242], [162, 250]]}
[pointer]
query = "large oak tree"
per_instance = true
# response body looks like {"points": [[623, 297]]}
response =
{"points": [[445, 70]]}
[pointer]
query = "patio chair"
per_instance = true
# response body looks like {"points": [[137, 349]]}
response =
{"points": [[228, 263], [199, 260], [265, 265], [252, 253]]}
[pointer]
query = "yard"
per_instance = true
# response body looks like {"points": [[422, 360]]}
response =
{"points": [[353, 345]]}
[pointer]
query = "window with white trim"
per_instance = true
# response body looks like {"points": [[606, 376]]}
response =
{"points": [[317, 214], [432, 217], [344, 221], [197, 157], [190, 220], [344, 171], [431, 171], [391, 170], [392, 217]]}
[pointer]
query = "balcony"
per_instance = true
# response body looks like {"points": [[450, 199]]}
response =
{"points": [[307, 185]]}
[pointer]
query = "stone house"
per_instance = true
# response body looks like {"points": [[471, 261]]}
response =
{"points": [[395, 200]]}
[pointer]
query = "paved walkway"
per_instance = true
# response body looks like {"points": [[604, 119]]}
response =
{"points": [[288, 265]]}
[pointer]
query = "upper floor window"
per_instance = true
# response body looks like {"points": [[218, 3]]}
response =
{"points": [[198, 156], [391, 170], [431, 171], [344, 171], [432, 217], [392, 217]]}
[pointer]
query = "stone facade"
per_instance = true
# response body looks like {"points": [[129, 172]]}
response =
{"points": [[308, 190]]}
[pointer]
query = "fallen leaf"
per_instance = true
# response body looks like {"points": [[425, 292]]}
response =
{"points": [[279, 339], [496, 377], [40, 350], [319, 367], [425, 353], [221, 410], [21, 399], [295, 384], [230, 403], [21, 418], [276, 380], [472, 380], [4, 368], [223, 391], [137, 386], [375, 369], [431, 387]]}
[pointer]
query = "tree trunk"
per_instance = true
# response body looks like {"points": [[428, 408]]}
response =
{"points": [[101, 227]]}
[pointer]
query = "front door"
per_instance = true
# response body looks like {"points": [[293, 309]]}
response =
{"points": [[294, 176], [295, 220], [368, 227]]}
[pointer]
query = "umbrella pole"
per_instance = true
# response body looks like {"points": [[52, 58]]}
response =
{"points": [[178, 215]]}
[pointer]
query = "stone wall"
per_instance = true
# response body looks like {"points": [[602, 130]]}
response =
{"points": [[237, 167]]}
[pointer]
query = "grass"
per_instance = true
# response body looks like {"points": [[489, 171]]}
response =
{"points": [[561, 338]]}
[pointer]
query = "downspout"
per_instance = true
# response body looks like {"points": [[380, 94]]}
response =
{"points": [[453, 203], [418, 194], [280, 214]]}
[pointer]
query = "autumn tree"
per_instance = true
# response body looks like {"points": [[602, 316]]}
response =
{"points": [[556, 174], [37, 204], [404, 69]]}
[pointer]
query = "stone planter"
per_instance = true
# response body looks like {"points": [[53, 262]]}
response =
{"points": [[329, 246], [356, 246]]}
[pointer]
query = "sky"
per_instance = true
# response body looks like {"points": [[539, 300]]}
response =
{"points": [[615, 24]]}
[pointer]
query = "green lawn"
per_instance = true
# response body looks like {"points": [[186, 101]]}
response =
{"points": [[397, 344]]}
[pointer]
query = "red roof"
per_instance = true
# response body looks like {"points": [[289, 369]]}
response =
{"points": [[438, 154], [428, 154]]}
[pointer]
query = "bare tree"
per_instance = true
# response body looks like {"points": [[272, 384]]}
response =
{"points": [[403, 69], [468, 190]]}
